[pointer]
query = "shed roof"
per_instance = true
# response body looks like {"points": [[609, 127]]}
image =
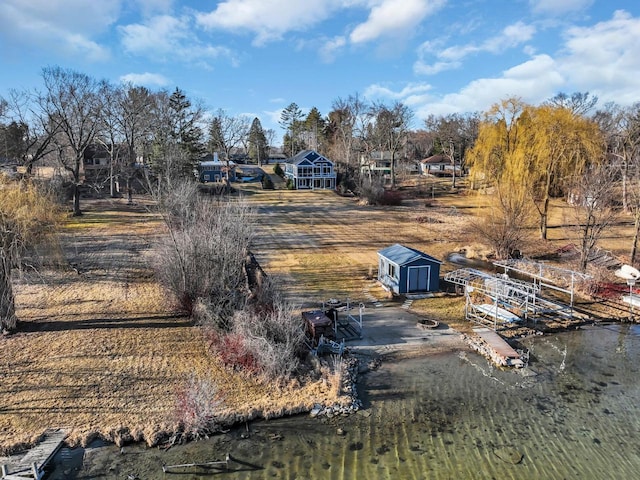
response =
{"points": [[401, 255]]}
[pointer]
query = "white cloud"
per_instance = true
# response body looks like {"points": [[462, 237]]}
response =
{"points": [[604, 58], [65, 26], [271, 19], [422, 68], [145, 79], [450, 58], [164, 37], [534, 81], [558, 7], [267, 19], [601, 59], [393, 18], [159, 35], [330, 48], [410, 90]]}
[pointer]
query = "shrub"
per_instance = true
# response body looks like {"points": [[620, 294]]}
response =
{"points": [[290, 185], [266, 337], [233, 351], [267, 183], [202, 260], [196, 403], [277, 169], [390, 197]]}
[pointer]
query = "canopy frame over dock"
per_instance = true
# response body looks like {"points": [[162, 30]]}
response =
{"points": [[511, 299]]}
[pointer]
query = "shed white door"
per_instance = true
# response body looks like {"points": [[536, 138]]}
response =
{"points": [[418, 279]]}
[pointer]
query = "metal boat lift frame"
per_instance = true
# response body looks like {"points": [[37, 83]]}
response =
{"points": [[568, 277], [509, 297]]}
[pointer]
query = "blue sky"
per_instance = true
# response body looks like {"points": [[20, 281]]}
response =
{"points": [[255, 57]]}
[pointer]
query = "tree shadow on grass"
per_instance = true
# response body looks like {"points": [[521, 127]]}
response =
{"points": [[149, 321]]}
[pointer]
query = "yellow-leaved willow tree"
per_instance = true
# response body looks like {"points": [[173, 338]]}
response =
{"points": [[527, 150], [28, 217]]}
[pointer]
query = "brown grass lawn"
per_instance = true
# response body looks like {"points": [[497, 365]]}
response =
{"points": [[101, 351]]}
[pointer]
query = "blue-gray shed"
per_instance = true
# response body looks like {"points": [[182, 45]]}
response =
{"points": [[406, 270]]}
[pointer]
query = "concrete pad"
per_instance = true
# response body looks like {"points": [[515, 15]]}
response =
{"points": [[391, 327]]}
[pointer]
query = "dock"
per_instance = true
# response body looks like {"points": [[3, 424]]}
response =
{"points": [[493, 346], [31, 466]]}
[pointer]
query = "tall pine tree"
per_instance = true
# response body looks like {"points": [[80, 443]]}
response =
{"points": [[258, 146]]}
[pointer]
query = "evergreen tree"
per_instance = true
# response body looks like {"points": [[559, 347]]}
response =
{"points": [[258, 146], [290, 120], [314, 129]]}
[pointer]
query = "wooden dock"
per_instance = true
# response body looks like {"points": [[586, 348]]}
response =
{"points": [[497, 349], [31, 466]]}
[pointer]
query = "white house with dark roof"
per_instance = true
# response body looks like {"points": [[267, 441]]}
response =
{"points": [[309, 170], [439, 165]]}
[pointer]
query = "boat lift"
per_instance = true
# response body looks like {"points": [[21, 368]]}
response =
{"points": [[506, 300], [547, 276]]}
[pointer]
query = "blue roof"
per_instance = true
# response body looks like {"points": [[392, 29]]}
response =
{"points": [[401, 255], [308, 155]]}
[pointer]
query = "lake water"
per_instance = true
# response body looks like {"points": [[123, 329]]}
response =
{"points": [[449, 416]]}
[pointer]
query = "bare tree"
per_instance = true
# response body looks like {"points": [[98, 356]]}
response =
{"points": [[505, 222], [36, 129], [109, 135], [343, 125], [202, 261], [578, 103], [134, 119], [452, 136], [593, 200], [391, 130], [227, 133], [71, 103]]}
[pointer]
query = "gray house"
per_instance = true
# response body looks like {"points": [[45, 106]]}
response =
{"points": [[406, 270]]}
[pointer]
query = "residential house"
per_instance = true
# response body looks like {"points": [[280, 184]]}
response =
{"points": [[439, 166], [276, 157], [376, 163], [310, 170], [96, 163], [404, 270], [212, 169]]}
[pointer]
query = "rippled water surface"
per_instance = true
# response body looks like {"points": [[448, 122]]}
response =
{"points": [[449, 416]]}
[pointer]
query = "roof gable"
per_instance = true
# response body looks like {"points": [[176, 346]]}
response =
{"points": [[307, 156], [401, 255]]}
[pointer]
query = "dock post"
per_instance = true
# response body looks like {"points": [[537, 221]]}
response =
{"points": [[4, 471]]}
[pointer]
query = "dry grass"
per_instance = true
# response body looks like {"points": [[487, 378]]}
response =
{"points": [[326, 246], [100, 351]]}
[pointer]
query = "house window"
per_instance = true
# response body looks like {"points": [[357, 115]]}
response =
{"points": [[391, 270]]}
